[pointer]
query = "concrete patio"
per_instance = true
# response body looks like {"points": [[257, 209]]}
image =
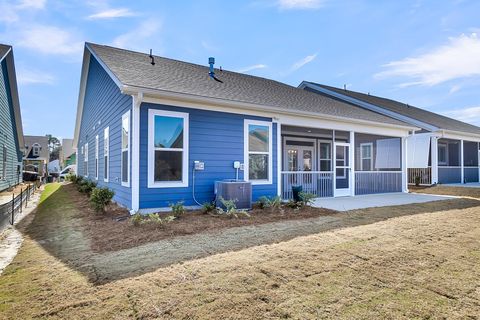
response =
{"points": [[376, 200]]}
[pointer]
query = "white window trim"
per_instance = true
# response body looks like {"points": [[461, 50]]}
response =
{"points": [[246, 152], [320, 159], [151, 149], [106, 145], [443, 145], [85, 161], [370, 144], [36, 150], [344, 176], [96, 157], [126, 115]]}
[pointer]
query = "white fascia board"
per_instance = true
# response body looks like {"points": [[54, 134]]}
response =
{"points": [[455, 135], [8, 51], [88, 51], [215, 104], [369, 106]]}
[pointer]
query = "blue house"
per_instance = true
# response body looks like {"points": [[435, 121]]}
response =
{"points": [[11, 133], [144, 121]]}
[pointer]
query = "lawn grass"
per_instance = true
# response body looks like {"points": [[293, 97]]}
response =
{"points": [[411, 267]]}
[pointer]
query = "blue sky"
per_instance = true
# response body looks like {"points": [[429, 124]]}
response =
{"points": [[425, 53]]}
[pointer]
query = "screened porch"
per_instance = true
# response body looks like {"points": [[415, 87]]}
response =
{"points": [[331, 163]]}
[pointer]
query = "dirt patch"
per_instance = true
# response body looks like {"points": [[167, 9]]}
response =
{"points": [[447, 190], [107, 233]]}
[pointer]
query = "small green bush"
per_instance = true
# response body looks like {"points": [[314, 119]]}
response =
{"points": [[86, 186], [100, 198], [152, 218], [231, 210], [78, 180], [266, 202], [418, 179], [208, 207], [306, 199], [71, 177], [177, 209], [136, 219]]}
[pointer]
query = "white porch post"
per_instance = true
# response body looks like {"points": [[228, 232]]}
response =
{"points": [[434, 151], [279, 159], [462, 175], [352, 163], [135, 163], [404, 165]]}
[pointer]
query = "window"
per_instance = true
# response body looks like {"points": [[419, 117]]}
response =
{"points": [[167, 149], [106, 147], [325, 156], [126, 149], [258, 151], [442, 154], [85, 161], [4, 163], [96, 157], [36, 150], [341, 161], [366, 162]]}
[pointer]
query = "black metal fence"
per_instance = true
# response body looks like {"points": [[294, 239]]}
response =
{"points": [[9, 211]]}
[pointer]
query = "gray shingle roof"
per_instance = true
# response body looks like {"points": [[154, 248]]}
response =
{"points": [[3, 49], [134, 69], [434, 119]]}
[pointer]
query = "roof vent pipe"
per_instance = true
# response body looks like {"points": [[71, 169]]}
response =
{"points": [[211, 62], [152, 59]]}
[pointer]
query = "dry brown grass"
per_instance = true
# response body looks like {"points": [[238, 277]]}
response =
{"points": [[415, 266], [448, 190]]}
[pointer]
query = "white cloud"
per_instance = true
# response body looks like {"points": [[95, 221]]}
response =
{"points": [[459, 58], [32, 4], [470, 115], [300, 4], [26, 77], [297, 65], [49, 40], [253, 67], [454, 89], [10, 10], [112, 13], [134, 38]]}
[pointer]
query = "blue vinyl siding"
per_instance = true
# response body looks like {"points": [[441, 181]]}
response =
{"points": [[104, 106], [215, 138], [8, 131]]}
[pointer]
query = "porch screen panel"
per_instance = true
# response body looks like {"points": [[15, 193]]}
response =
{"points": [[418, 147], [388, 154]]}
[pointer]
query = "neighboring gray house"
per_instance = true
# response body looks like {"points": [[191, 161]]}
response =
{"points": [[66, 151], [37, 154], [445, 150], [11, 133]]}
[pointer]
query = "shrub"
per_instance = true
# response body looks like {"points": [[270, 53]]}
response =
{"points": [[306, 199], [86, 186], [100, 198], [417, 181], [72, 178], [177, 209], [266, 202], [231, 210], [154, 218], [208, 207], [78, 180], [136, 219]]}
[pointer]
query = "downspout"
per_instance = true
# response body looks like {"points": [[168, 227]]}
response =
{"points": [[136, 103]]}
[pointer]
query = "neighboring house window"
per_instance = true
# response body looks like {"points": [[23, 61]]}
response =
{"points": [[96, 157], [36, 150], [366, 161], [258, 151], [85, 161], [167, 149], [126, 149], [4, 164], [325, 156], [106, 148], [442, 154]]}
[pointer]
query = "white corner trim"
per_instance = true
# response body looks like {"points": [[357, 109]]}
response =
{"points": [[97, 164], [106, 140], [246, 152], [126, 115], [136, 103], [151, 149]]}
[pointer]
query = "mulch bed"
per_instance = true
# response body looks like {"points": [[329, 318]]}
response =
{"points": [[106, 233]]}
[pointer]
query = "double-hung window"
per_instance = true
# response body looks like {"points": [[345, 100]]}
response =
{"points": [[96, 157], [126, 149], [85, 161], [167, 149], [106, 150], [36, 150], [258, 151], [366, 161]]}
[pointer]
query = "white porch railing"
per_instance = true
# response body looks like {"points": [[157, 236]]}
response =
{"points": [[425, 175], [369, 182], [320, 183]]}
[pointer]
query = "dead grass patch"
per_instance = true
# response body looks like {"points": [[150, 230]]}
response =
{"points": [[447, 190]]}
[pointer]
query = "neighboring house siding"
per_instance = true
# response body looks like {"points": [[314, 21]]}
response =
{"points": [[104, 106], [8, 135], [216, 138]]}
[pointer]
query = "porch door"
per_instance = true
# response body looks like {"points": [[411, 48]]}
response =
{"points": [[301, 159], [342, 169]]}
